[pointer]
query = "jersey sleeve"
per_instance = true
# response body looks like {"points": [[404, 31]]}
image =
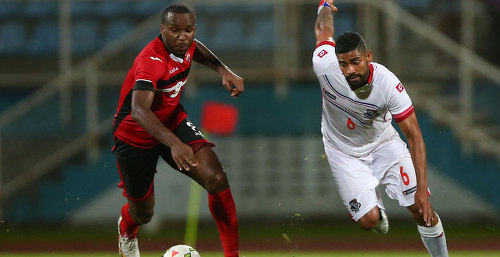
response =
{"points": [[324, 59], [400, 104], [150, 68]]}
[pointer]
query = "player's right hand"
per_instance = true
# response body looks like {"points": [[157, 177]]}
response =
{"points": [[329, 2], [183, 156]]}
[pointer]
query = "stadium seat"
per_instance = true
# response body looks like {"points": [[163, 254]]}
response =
{"points": [[83, 8], [116, 28], [41, 9], [345, 23], [144, 41], [144, 8], [13, 35], [414, 5], [261, 36], [84, 36], [11, 9], [113, 8], [201, 29], [45, 38], [228, 34]]}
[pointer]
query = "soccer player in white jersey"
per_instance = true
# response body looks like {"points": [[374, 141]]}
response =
{"points": [[359, 100]]}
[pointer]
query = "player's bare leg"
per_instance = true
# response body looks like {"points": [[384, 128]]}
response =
{"points": [[433, 237], [210, 175], [134, 214], [375, 220]]}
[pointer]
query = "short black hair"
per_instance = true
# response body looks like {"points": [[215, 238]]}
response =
{"points": [[349, 41], [176, 8]]}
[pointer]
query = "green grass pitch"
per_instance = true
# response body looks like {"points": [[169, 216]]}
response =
{"points": [[276, 254]]}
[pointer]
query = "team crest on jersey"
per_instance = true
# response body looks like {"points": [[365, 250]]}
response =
{"points": [[355, 205], [322, 53], [188, 57], [400, 87], [371, 114]]}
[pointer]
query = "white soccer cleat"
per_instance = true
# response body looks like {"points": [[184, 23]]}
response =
{"points": [[127, 247], [383, 224]]}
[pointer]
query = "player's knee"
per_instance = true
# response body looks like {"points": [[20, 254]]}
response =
{"points": [[415, 213], [217, 182], [369, 220]]}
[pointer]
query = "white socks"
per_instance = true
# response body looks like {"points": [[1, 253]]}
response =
{"points": [[434, 239]]}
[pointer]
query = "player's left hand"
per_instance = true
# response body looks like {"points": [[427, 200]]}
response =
{"points": [[232, 82], [424, 206]]}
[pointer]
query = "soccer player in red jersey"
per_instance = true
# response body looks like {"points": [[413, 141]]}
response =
{"points": [[150, 122]]}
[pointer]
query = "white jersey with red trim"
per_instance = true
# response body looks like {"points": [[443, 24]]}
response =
{"points": [[357, 126]]}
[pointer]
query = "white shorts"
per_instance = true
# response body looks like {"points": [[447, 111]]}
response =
{"points": [[357, 178]]}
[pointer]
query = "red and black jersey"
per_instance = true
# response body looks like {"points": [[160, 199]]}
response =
{"points": [[163, 73]]}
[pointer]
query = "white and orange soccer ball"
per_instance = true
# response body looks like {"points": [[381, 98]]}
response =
{"points": [[181, 251]]}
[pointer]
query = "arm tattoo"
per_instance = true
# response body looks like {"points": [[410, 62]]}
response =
{"points": [[325, 19]]}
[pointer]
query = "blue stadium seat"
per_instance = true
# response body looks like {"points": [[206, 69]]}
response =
{"points": [[344, 23], [42, 9], [83, 8], [413, 5], [201, 29], [45, 39], [114, 8], [144, 41], [116, 29], [13, 35], [144, 8], [84, 36], [228, 34], [261, 36], [11, 9]]}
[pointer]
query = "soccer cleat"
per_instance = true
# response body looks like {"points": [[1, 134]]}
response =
{"points": [[127, 247], [383, 224]]}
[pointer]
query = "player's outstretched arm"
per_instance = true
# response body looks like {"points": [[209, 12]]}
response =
{"points": [[232, 82], [324, 22], [411, 130]]}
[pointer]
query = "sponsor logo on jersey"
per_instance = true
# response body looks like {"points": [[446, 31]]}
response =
{"points": [[354, 205], [409, 191], [371, 114], [400, 87], [175, 89], [173, 70], [322, 53], [154, 58]]}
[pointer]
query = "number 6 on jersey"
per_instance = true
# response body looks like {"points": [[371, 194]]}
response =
{"points": [[350, 124]]}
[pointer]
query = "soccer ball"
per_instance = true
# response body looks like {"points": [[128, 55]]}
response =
{"points": [[181, 251]]}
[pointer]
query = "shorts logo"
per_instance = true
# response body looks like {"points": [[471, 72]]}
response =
{"points": [[409, 191], [322, 53], [354, 205], [400, 87]]}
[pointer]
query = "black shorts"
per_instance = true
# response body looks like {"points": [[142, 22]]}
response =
{"points": [[137, 166]]}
